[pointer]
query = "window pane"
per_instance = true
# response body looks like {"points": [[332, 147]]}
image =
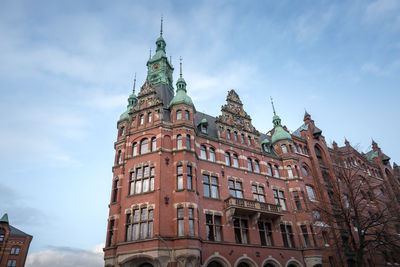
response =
{"points": [[138, 187], [146, 171], [180, 182], [206, 189], [212, 154], [191, 227], [180, 228], [214, 191], [145, 185], [151, 184]]}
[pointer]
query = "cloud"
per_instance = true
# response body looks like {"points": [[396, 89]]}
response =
{"points": [[380, 9], [373, 68], [67, 257]]}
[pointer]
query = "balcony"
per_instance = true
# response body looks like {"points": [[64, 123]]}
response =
{"points": [[254, 209]]}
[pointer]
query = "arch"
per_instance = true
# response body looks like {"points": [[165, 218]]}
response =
{"points": [[271, 262], [293, 263], [245, 261], [218, 259], [178, 114], [140, 260], [144, 146]]}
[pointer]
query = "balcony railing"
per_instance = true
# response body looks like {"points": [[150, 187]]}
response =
{"points": [[249, 207]]}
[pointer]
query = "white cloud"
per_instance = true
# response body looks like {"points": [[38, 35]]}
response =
{"points": [[380, 9], [67, 257]]}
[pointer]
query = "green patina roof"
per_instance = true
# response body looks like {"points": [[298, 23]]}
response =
{"points": [[280, 134], [265, 141], [371, 155], [4, 219], [203, 121], [132, 100], [181, 97]]}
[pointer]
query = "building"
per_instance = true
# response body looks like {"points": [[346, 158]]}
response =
{"points": [[14, 244], [190, 189]]}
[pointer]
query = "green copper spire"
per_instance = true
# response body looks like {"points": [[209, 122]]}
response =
{"points": [[4, 219], [279, 132], [181, 96], [132, 100]]}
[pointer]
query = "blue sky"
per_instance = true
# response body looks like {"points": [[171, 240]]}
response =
{"points": [[66, 70]]}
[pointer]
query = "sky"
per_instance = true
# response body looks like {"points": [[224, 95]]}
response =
{"points": [[67, 67]]}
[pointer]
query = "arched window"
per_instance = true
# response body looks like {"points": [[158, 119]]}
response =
{"points": [[122, 131], [115, 191], [212, 154], [144, 146], [228, 134], [242, 138], [149, 117], [276, 171], [141, 119], [290, 172], [249, 164], [249, 140], [188, 146], [134, 149], [153, 144], [266, 148], [214, 264], [227, 159], [178, 141], [187, 115], [119, 157], [179, 114], [284, 149], [256, 166], [319, 155], [300, 149], [235, 161], [304, 171], [269, 167], [203, 153], [235, 134], [295, 148]]}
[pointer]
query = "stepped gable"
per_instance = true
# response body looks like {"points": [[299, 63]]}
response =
{"points": [[234, 116], [147, 97]]}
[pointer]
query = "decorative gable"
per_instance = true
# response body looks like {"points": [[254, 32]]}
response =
{"points": [[147, 97]]}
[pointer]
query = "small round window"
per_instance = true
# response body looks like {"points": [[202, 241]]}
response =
{"points": [[304, 171]]}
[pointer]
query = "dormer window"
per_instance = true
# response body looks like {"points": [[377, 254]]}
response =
{"points": [[179, 114], [122, 131], [284, 149], [203, 128], [266, 148], [187, 115]]}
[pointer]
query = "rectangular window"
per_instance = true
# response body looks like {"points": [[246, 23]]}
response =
{"points": [[241, 229], [139, 224], [143, 181], [287, 236], [179, 171], [235, 188], [296, 198], [214, 227], [265, 230], [203, 153], [325, 238], [258, 193], [180, 222], [11, 263], [212, 154], [279, 198], [189, 177], [305, 236], [310, 193], [210, 186], [110, 232], [191, 221]]}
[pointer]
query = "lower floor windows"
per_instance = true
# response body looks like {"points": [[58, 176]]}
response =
{"points": [[11, 263], [181, 222], [305, 236], [191, 221], [142, 180], [241, 230], [265, 229], [110, 232], [287, 236], [139, 224], [214, 227]]}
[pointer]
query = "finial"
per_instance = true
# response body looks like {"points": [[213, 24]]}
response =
{"points": [[180, 63], [134, 83], [273, 108], [150, 54], [161, 25]]}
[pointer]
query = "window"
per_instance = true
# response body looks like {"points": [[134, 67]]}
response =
{"points": [[110, 232], [14, 251], [191, 221], [235, 161], [115, 191], [228, 134], [310, 193], [180, 222], [144, 146], [188, 146], [149, 117], [153, 144], [179, 114], [142, 180], [11, 263], [266, 148], [122, 131], [325, 238], [346, 200], [301, 149], [189, 177], [279, 198], [139, 224], [241, 229], [269, 168], [295, 148], [316, 215], [249, 140], [242, 138], [235, 134], [179, 171], [235, 188], [210, 186], [249, 164], [290, 172], [203, 153], [319, 155], [305, 236], [187, 115], [214, 227], [284, 149], [276, 171], [134, 149], [258, 192], [296, 198], [141, 119], [265, 230], [119, 157], [256, 166], [179, 141], [227, 159], [304, 171], [212, 154], [287, 236], [203, 128]]}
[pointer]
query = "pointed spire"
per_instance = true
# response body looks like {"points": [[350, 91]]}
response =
{"points": [[279, 132], [150, 54], [134, 84], [161, 25], [273, 108], [180, 65]]}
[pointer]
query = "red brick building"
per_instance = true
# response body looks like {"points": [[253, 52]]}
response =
{"points": [[190, 189], [14, 244]]}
